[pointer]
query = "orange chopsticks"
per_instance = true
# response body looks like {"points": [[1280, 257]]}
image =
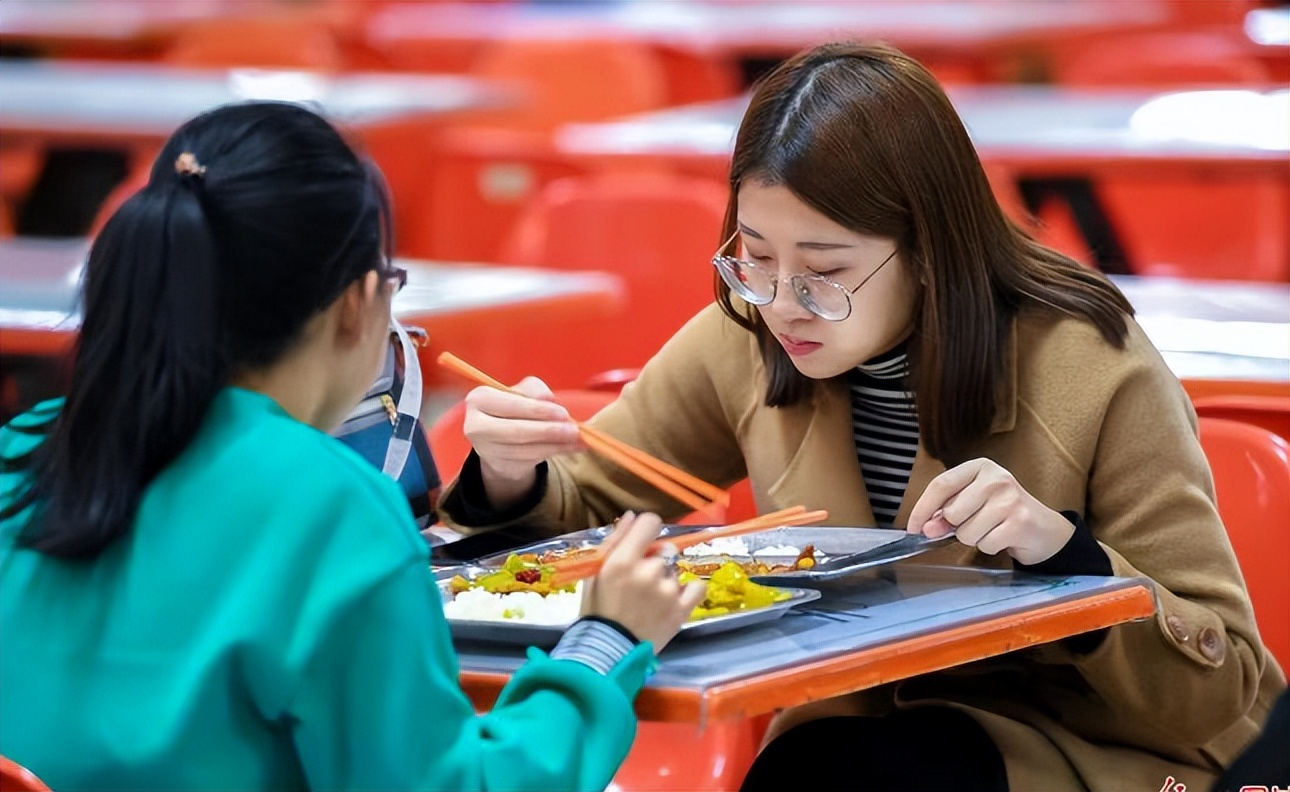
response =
{"points": [[690, 490], [587, 566]]}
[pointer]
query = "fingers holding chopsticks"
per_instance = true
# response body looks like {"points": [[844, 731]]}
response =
{"points": [[637, 590], [513, 431]]}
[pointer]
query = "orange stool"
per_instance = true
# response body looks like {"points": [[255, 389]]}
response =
{"points": [[1251, 469]]}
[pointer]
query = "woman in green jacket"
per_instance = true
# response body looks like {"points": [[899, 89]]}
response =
{"points": [[199, 588], [886, 345]]}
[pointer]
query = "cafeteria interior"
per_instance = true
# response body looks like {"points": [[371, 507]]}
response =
{"points": [[559, 174]]}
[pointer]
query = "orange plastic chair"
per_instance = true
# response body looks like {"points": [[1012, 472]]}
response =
{"points": [[1189, 224], [480, 180], [490, 163], [16, 778], [1206, 225], [657, 231], [274, 40], [20, 166], [1271, 413], [682, 756], [1188, 59], [573, 79], [1054, 225], [1251, 469]]}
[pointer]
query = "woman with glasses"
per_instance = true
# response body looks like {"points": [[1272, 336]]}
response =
{"points": [[199, 588], [886, 345]]}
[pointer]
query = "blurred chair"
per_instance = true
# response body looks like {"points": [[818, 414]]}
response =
{"points": [[1251, 469], [1203, 224], [1271, 413], [279, 40], [1053, 225], [682, 756], [490, 163], [575, 79], [657, 231], [693, 77], [20, 165], [1190, 59], [7, 222], [16, 778], [480, 179]]}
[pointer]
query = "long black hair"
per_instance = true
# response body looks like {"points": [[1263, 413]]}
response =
{"points": [[255, 217]]}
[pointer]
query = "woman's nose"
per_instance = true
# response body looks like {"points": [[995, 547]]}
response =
{"points": [[786, 305]]}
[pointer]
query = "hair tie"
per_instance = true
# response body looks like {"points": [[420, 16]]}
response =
{"points": [[186, 164]]}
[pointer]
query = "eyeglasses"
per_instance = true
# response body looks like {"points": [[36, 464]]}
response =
{"points": [[757, 284], [397, 275]]}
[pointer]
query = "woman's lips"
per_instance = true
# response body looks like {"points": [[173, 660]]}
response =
{"points": [[798, 347]]}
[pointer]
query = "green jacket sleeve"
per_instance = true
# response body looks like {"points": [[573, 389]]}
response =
{"points": [[378, 706]]}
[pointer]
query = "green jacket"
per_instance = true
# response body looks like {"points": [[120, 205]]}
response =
{"points": [[271, 621]]}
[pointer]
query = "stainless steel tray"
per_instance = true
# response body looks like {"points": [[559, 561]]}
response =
{"points": [[546, 635], [589, 537], [846, 550]]}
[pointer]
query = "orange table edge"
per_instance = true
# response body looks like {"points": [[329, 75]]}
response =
{"points": [[836, 676]]}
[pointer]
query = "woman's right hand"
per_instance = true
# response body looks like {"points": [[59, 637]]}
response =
{"points": [[638, 591], [513, 433]]}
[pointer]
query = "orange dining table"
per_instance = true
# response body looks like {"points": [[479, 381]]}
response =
{"points": [[877, 626], [471, 309]]}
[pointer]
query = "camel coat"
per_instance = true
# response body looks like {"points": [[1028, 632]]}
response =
{"points": [[1082, 426]]}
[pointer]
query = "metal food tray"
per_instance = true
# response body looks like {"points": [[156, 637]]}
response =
{"points": [[547, 635], [846, 550], [589, 537]]}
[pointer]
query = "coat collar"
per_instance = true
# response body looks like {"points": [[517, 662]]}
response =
{"points": [[824, 473]]}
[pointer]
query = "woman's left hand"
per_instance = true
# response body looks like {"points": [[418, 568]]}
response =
{"points": [[987, 509]]}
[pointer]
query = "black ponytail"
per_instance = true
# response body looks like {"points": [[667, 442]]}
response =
{"points": [[255, 217]]}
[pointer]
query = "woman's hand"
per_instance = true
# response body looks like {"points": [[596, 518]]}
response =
{"points": [[640, 592], [987, 509], [512, 433]]}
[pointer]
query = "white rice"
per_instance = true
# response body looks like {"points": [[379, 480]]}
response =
{"points": [[527, 607], [737, 547], [726, 545]]}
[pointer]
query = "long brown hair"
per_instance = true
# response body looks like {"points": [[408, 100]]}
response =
{"points": [[865, 135]]}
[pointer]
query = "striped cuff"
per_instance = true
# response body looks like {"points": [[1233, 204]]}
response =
{"points": [[594, 644]]}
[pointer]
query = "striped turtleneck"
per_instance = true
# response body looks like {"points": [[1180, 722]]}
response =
{"points": [[885, 421]]}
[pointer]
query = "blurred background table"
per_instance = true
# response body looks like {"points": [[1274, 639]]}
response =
{"points": [[110, 102], [751, 35], [101, 124], [1190, 183], [477, 312]]}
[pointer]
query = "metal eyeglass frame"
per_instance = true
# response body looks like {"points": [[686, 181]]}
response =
{"points": [[725, 265]]}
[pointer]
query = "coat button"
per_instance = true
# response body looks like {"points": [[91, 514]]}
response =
{"points": [[1211, 645], [1179, 629]]}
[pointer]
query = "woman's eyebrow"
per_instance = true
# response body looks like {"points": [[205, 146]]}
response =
{"points": [[743, 229]]}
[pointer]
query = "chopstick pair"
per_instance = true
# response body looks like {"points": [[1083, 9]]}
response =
{"points": [[690, 490], [587, 566]]}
